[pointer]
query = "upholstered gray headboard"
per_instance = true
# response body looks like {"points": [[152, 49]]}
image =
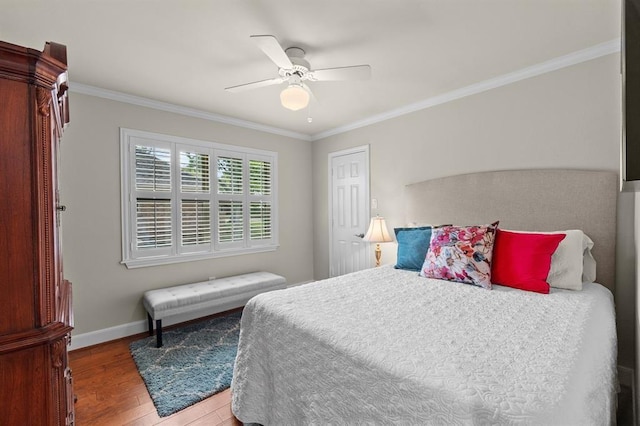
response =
{"points": [[528, 200]]}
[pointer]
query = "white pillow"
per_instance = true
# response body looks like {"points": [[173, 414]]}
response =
{"points": [[588, 262], [572, 262]]}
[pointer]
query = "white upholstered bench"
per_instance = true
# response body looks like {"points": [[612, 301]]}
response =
{"points": [[213, 296]]}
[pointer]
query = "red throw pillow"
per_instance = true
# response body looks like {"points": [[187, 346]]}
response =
{"points": [[523, 260]]}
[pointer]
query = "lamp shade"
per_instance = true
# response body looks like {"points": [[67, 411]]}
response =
{"points": [[378, 232], [294, 97]]}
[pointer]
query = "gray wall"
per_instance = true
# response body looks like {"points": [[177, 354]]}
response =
{"points": [[568, 118], [108, 294]]}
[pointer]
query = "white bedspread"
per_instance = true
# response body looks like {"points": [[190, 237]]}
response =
{"points": [[386, 346]]}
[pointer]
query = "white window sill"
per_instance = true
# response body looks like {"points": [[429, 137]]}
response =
{"points": [[167, 260]]}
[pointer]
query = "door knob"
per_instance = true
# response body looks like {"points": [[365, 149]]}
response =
{"points": [[359, 235]]}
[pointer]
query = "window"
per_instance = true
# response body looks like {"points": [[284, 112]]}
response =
{"points": [[185, 199]]}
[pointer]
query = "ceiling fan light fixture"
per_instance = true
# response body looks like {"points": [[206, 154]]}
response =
{"points": [[294, 97]]}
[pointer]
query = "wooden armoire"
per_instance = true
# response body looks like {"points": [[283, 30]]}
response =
{"points": [[35, 300]]}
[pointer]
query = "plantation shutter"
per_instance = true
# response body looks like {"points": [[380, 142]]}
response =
{"points": [[153, 169], [230, 176], [194, 172], [260, 200], [230, 221], [196, 222], [153, 223], [152, 189], [260, 220], [259, 177], [195, 201], [230, 200]]}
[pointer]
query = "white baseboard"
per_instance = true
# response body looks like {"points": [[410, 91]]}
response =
{"points": [[106, 334], [119, 331]]}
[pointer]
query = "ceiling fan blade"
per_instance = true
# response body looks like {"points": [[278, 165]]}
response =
{"points": [[357, 72], [255, 85], [270, 46]]}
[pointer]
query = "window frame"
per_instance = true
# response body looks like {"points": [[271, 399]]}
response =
{"points": [[133, 257]]}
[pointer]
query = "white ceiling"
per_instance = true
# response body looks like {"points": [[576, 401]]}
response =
{"points": [[185, 52]]}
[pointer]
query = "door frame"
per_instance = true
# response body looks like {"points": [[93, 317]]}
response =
{"points": [[367, 192]]}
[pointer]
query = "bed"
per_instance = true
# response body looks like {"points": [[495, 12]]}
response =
{"points": [[387, 346]]}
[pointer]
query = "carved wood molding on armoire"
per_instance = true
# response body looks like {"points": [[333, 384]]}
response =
{"points": [[36, 319]]}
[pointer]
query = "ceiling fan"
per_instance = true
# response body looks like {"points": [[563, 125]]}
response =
{"points": [[295, 70]]}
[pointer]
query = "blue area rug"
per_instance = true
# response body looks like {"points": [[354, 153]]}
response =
{"points": [[195, 362]]}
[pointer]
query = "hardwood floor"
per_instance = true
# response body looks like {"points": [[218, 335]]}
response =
{"points": [[110, 391]]}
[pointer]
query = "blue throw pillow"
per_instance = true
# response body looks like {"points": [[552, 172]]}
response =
{"points": [[413, 244]]}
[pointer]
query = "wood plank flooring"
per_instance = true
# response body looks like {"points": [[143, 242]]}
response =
{"points": [[110, 391]]}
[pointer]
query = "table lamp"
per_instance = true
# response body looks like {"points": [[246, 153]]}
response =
{"points": [[378, 233]]}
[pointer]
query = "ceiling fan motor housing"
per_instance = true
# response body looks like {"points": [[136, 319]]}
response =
{"points": [[300, 65]]}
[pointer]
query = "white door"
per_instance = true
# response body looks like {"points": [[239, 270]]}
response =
{"points": [[349, 211]]}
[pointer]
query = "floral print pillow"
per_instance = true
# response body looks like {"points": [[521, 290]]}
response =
{"points": [[462, 254]]}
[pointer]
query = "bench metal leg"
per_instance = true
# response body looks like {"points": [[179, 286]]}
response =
{"points": [[158, 333], [150, 321]]}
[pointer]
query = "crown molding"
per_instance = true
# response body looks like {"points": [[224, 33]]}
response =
{"points": [[86, 89], [574, 58], [577, 57]]}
